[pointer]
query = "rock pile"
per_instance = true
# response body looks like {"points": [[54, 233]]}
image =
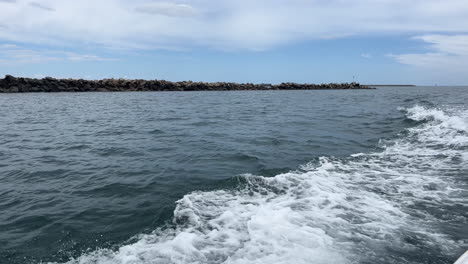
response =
{"points": [[12, 84]]}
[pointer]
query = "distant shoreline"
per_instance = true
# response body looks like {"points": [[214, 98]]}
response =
{"points": [[11, 84], [391, 85]]}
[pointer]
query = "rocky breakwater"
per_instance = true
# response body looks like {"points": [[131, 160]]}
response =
{"points": [[11, 84]]}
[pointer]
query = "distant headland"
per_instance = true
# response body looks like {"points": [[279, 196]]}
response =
{"points": [[11, 84]]}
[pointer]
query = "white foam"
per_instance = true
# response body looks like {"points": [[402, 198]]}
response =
{"points": [[339, 211], [447, 129]]}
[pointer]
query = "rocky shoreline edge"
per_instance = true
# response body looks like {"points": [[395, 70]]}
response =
{"points": [[11, 84]]}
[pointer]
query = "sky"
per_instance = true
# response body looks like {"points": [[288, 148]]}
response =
{"points": [[422, 42]]}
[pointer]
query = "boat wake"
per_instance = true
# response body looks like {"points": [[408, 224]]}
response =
{"points": [[370, 207]]}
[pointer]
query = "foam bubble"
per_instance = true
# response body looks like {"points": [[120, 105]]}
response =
{"points": [[337, 211]]}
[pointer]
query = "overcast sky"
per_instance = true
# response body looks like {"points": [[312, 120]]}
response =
{"points": [[372, 41]]}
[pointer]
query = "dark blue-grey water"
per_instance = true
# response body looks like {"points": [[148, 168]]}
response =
{"points": [[365, 176]]}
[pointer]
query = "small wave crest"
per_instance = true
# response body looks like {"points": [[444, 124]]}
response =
{"points": [[447, 128], [363, 208]]}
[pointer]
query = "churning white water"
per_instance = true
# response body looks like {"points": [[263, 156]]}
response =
{"points": [[368, 208]]}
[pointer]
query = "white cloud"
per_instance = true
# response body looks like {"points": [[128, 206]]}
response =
{"points": [[13, 54], [86, 57], [455, 44], [167, 9], [8, 46], [447, 52], [41, 6], [366, 55], [227, 24]]}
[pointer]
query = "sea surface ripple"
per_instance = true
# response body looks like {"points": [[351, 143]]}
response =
{"points": [[372, 176]]}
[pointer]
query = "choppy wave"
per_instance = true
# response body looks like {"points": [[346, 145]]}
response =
{"points": [[362, 209]]}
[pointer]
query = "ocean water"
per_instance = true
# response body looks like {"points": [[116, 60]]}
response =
{"points": [[365, 176]]}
